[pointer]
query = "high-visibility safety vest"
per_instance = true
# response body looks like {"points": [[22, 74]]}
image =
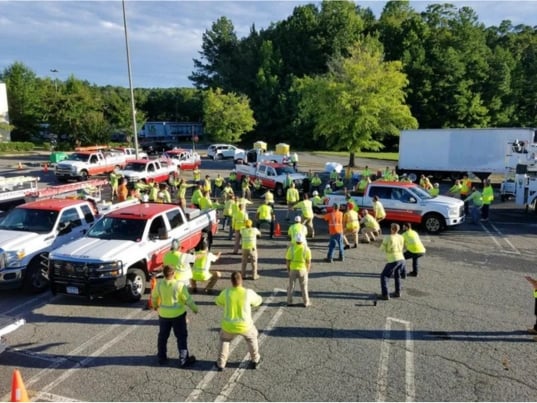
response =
{"points": [[237, 303], [202, 264], [306, 207], [205, 203], [413, 242], [265, 212], [249, 237], [218, 181], [476, 198], [316, 181], [466, 186], [228, 207], [488, 194], [350, 218], [292, 195], [335, 222], [378, 208], [174, 298], [180, 262], [535, 293], [295, 229], [393, 246], [239, 219], [298, 255], [207, 185], [370, 222], [269, 197], [196, 174], [316, 200], [196, 196]]}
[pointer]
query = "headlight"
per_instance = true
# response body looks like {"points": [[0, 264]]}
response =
{"points": [[73, 169], [453, 211], [12, 258], [108, 269]]}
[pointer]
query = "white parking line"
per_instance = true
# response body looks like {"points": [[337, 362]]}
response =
{"points": [[36, 378], [200, 387], [513, 249], [50, 397], [31, 301], [382, 377], [228, 388]]}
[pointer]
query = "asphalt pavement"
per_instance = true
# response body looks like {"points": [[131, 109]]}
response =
{"points": [[458, 333]]}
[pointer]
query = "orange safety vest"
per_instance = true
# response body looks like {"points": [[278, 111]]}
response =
{"points": [[335, 222]]}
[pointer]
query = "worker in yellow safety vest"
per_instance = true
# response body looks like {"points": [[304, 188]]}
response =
{"points": [[306, 207], [265, 215], [414, 248], [488, 197], [370, 227], [298, 262], [249, 235], [201, 270], [237, 302], [466, 188], [169, 298], [238, 221], [297, 228], [292, 197], [180, 261], [351, 226]]}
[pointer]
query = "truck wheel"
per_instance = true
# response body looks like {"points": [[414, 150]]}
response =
{"points": [[218, 157], [135, 287], [279, 190], [83, 175], [434, 223], [36, 276]]}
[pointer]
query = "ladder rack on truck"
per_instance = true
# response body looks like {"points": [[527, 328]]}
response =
{"points": [[13, 190], [91, 189]]}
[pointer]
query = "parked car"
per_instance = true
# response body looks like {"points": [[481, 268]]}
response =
{"points": [[222, 151], [156, 147]]}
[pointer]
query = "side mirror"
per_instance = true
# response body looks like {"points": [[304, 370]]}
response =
{"points": [[412, 200], [64, 228]]}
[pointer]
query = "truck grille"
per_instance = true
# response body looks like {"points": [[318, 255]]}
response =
{"points": [[72, 270]]}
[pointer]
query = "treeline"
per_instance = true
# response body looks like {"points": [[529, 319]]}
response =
{"points": [[456, 72]]}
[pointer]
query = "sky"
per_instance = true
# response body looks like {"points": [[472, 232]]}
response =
{"points": [[86, 39]]}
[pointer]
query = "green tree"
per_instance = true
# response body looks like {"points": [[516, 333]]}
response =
{"points": [[24, 100], [358, 102], [227, 116], [219, 50]]}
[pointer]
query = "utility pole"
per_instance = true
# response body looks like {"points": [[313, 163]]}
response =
{"points": [[133, 108]]}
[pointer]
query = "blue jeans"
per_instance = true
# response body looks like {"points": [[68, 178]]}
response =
{"points": [[476, 214], [178, 325], [414, 257], [392, 269], [335, 239]]}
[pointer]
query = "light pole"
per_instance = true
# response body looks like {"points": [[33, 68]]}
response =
{"points": [[133, 109], [55, 79]]}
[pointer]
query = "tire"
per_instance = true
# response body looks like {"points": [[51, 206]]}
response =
{"points": [[218, 157], [36, 277], [279, 190], [135, 286], [83, 175], [433, 223]]}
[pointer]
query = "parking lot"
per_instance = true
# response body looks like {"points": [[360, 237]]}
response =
{"points": [[457, 334]]}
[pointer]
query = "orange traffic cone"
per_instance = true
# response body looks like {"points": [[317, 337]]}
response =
{"points": [[20, 166], [18, 391], [45, 168], [277, 230], [152, 285]]}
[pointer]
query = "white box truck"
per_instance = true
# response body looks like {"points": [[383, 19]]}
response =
{"points": [[450, 153]]}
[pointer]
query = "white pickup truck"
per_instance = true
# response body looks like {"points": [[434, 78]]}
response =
{"points": [[124, 248], [272, 175], [257, 155], [406, 202], [30, 231], [88, 161], [150, 170]]}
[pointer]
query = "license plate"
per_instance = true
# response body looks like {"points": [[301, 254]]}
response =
{"points": [[72, 290]]}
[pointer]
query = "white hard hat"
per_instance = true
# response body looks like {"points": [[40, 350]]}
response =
{"points": [[299, 237], [315, 193], [327, 186], [298, 219]]}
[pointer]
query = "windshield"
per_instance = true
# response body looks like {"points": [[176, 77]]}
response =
{"points": [[135, 166], [31, 220], [118, 228], [423, 194], [77, 157], [285, 170]]}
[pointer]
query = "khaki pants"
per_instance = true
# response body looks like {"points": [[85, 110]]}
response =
{"points": [[249, 254], [370, 233], [251, 339], [237, 241], [308, 222], [352, 235], [302, 276]]}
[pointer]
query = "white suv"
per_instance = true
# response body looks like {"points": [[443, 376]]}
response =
{"points": [[221, 151]]}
